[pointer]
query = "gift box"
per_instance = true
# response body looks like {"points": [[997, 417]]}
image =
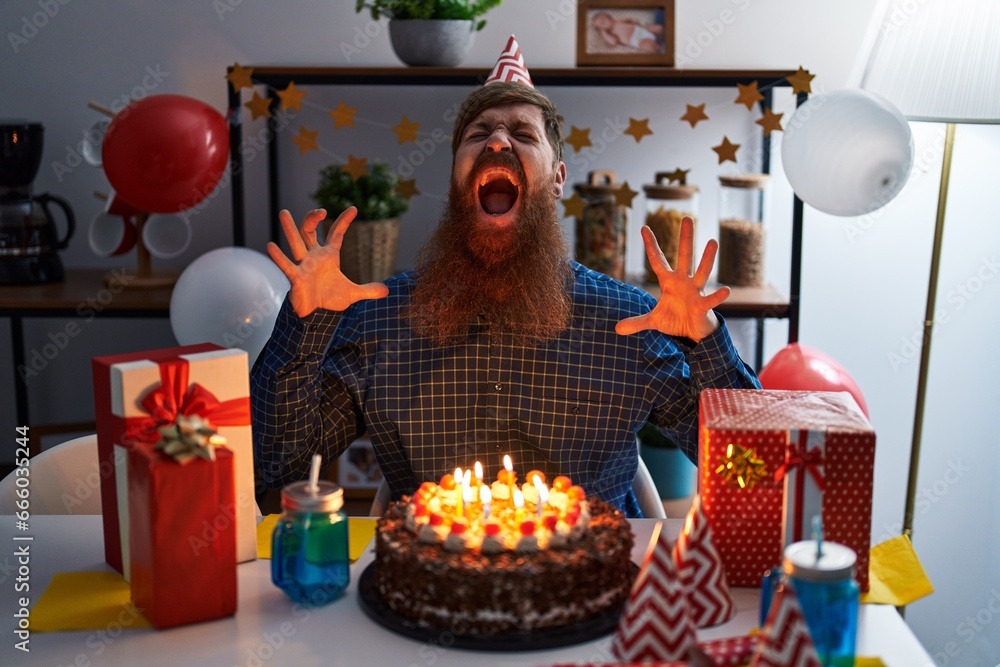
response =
{"points": [[136, 393], [769, 461], [183, 557]]}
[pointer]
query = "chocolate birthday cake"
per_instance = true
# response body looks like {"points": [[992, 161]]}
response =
{"points": [[481, 560]]}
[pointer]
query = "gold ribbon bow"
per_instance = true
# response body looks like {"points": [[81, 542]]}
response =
{"points": [[189, 438], [741, 467]]}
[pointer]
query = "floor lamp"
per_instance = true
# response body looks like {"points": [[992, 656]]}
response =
{"points": [[938, 61]]}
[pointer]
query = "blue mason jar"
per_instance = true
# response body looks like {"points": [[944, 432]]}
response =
{"points": [[828, 595], [310, 561]]}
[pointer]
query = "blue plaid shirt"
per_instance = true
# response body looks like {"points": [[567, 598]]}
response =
{"points": [[571, 405]]}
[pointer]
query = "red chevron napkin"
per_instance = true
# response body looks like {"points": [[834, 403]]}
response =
{"points": [[655, 625], [701, 572], [785, 639]]}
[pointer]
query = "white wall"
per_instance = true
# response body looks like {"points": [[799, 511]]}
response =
{"points": [[864, 280]]}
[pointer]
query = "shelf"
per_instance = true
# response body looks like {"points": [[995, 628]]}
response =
{"points": [[83, 292], [752, 302]]}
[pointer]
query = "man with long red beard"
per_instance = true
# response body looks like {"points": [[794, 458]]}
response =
{"points": [[496, 344]]}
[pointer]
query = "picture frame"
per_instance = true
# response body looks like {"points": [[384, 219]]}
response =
{"points": [[625, 32], [357, 471]]}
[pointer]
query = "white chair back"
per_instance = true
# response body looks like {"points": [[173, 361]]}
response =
{"points": [[64, 479]]}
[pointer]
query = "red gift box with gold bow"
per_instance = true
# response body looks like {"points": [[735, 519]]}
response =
{"points": [[136, 393], [771, 460]]}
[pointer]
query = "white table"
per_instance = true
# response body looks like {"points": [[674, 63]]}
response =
{"points": [[268, 629]]}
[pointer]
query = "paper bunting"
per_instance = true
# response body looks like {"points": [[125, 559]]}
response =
{"points": [[770, 122], [259, 106], [407, 188], [406, 130], [801, 81], [356, 167], [785, 639], [573, 205], [306, 140], [510, 66], [638, 129], [343, 116], [624, 195], [731, 651], [726, 150], [291, 97], [694, 114], [655, 625], [701, 572], [578, 138], [239, 77], [748, 95]]}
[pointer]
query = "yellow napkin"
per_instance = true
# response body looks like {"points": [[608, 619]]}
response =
{"points": [[895, 575], [86, 601], [360, 532]]}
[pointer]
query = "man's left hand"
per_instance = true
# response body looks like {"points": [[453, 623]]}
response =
{"points": [[683, 310]]}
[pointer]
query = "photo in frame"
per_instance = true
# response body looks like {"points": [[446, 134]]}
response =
{"points": [[625, 32]]}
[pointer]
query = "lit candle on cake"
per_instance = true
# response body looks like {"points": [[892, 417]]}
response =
{"points": [[479, 473], [485, 497], [467, 494], [543, 493], [509, 467], [518, 498], [458, 492]]}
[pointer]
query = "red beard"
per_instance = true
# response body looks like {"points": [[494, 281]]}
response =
{"points": [[517, 278]]}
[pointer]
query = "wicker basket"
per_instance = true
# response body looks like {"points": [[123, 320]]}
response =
{"points": [[368, 253]]}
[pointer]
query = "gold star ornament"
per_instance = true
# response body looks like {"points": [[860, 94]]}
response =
{"points": [[407, 188], [694, 114], [770, 122], [574, 206], [748, 95], [679, 175], [343, 116], [638, 129], [726, 150], [801, 81], [624, 195], [259, 106], [291, 97], [306, 140], [406, 130], [578, 139], [356, 167], [239, 77]]}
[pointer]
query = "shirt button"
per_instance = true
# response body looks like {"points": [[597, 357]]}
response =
{"points": [[498, 386], [575, 410], [499, 448]]}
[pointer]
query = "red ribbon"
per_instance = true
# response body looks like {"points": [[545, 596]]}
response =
{"points": [[797, 457], [174, 397]]}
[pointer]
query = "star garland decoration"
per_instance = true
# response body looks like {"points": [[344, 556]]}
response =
{"points": [[726, 150], [694, 114], [638, 129], [578, 138]]}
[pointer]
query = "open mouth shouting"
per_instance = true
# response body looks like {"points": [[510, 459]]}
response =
{"points": [[498, 190]]}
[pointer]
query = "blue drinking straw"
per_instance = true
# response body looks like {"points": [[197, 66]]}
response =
{"points": [[817, 526]]}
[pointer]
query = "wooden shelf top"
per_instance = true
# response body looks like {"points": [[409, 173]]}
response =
{"points": [[280, 76], [765, 301], [83, 292]]}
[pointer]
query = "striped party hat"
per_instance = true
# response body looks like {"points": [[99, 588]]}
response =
{"points": [[510, 66]]}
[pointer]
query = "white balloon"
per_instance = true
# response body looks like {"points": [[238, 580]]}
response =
{"points": [[848, 152], [230, 297]]}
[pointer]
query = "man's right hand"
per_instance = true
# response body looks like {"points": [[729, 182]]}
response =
{"points": [[315, 275]]}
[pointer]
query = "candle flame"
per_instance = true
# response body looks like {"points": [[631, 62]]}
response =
{"points": [[479, 472], [518, 498], [467, 493], [467, 478], [458, 475], [543, 491], [508, 466], [485, 495]]}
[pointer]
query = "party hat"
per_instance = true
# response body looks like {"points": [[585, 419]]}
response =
{"points": [[655, 624], [786, 641], [701, 572], [510, 66]]}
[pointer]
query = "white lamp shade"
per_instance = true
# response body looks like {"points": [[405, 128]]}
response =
{"points": [[847, 153], [937, 60]]}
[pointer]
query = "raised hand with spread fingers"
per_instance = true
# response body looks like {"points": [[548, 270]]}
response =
{"points": [[683, 309], [314, 269]]}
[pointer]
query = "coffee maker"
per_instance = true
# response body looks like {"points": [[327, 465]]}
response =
{"points": [[29, 240]]}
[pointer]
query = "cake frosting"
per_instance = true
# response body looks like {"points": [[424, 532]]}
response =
{"points": [[456, 558]]}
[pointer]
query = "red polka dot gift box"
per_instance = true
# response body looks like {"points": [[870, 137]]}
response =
{"points": [[771, 460]]}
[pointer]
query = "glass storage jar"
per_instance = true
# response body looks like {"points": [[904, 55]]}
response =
{"points": [[742, 238], [666, 206], [600, 231], [310, 561]]}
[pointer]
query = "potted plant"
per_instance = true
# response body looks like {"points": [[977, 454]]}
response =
{"points": [[671, 470], [430, 32], [368, 253]]}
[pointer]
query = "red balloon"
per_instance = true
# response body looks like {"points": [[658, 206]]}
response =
{"points": [[798, 366], [165, 153]]}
